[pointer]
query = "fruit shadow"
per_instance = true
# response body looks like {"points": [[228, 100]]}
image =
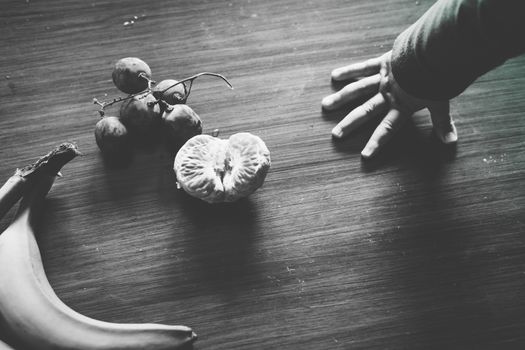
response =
{"points": [[222, 243], [123, 179], [144, 143], [112, 162]]}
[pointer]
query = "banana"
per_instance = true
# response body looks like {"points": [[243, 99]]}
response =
{"points": [[32, 313], [4, 346]]}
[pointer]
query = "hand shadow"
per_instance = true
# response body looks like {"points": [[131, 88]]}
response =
{"points": [[413, 145]]}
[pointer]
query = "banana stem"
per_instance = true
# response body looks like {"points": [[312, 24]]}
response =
{"points": [[18, 184], [33, 198]]}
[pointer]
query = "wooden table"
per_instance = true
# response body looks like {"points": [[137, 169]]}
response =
{"points": [[423, 247]]}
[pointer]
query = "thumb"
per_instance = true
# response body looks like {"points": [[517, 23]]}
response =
{"points": [[444, 127]]}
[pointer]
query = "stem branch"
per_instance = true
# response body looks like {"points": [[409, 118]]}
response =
{"points": [[193, 77]]}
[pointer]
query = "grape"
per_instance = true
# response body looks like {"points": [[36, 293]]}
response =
{"points": [[141, 115], [180, 124], [131, 75], [112, 137], [170, 94]]}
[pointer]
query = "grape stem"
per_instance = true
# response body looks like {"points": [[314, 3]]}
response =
{"points": [[187, 90], [104, 104], [192, 78], [150, 82]]}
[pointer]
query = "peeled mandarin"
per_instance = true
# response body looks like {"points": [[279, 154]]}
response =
{"points": [[217, 170]]}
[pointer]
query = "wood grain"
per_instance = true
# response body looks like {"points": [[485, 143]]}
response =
{"points": [[423, 247]]}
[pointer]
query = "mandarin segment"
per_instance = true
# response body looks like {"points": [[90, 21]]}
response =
{"points": [[217, 170], [196, 168], [249, 163]]}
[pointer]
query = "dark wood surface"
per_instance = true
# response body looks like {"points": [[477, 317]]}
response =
{"points": [[423, 247]]}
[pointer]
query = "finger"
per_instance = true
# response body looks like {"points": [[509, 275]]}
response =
{"points": [[357, 70], [357, 117], [383, 133], [444, 127], [352, 91]]}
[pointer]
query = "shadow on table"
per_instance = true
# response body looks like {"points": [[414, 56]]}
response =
{"points": [[222, 243], [441, 272], [437, 284], [412, 146]]}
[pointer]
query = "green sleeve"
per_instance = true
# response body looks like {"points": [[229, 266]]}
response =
{"points": [[454, 43]]}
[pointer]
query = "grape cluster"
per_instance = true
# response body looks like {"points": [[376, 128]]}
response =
{"points": [[149, 108]]}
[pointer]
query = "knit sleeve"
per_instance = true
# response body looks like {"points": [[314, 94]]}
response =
{"points": [[454, 43]]}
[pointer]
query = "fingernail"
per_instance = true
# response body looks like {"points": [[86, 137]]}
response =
{"points": [[450, 137], [327, 102], [337, 132], [335, 74], [369, 150], [447, 137]]}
